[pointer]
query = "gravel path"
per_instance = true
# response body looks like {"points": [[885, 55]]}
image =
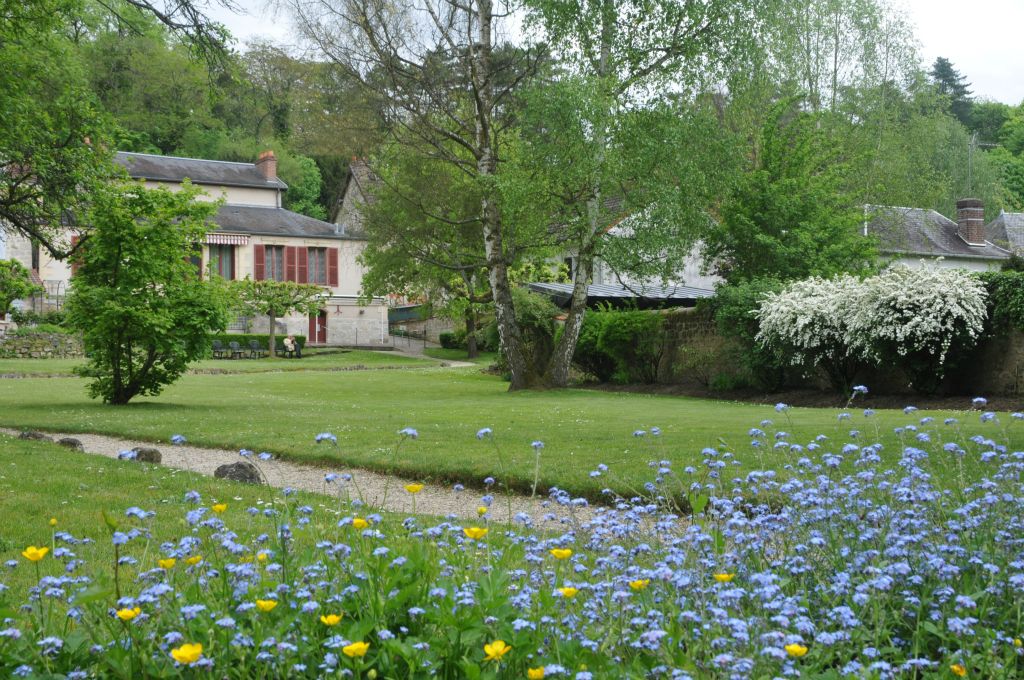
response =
{"points": [[369, 486]]}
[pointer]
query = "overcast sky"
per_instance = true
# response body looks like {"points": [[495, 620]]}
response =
{"points": [[982, 38]]}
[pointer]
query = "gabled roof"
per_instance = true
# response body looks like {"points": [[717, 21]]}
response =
{"points": [[922, 232], [360, 189], [1007, 230], [200, 171], [266, 221]]}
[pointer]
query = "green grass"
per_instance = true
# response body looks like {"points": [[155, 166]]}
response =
{"points": [[281, 412], [40, 480], [309, 362], [485, 358]]}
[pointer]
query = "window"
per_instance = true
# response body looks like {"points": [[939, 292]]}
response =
{"points": [[222, 261], [317, 265], [275, 262]]}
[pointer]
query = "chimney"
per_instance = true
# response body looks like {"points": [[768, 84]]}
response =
{"points": [[970, 221], [267, 165]]}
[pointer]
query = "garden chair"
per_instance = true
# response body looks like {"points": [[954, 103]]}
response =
{"points": [[218, 349], [255, 350], [236, 350]]}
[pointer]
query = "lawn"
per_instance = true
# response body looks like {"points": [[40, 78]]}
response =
{"points": [[281, 412], [309, 361], [484, 358]]}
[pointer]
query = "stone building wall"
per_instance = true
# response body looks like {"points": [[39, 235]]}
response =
{"points": [[41, 346]]}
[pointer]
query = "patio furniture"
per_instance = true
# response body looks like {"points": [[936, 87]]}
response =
{"points": [[218, 349], [255, 350], [235, 350]]}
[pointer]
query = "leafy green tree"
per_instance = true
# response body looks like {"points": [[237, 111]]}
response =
{"points": [[790, 216], [15, 284], [274, 299], [955, 86], [142, 309]]}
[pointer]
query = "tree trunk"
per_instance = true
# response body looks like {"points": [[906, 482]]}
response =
{"points": [[471, 349], [509, 336], [271, 349], [561, 358]]}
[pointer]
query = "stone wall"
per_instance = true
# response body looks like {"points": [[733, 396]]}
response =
{"points": [[41, 346]]}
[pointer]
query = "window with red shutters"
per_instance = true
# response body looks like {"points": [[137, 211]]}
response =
{"points": [[303, 268], [317, 269], [291, 263], [332, 266], [258, 263]]}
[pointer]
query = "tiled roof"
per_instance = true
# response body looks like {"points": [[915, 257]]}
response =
{"points": [[245, 219], [200, 171], [1007, 230], [918, 231], [563, 291]]}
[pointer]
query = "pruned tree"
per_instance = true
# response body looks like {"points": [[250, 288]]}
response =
{"points": [[275, 299], [446, 82], [15, 284]]}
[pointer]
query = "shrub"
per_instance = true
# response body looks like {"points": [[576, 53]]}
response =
{"points": [[41, 328], [589, 357], [450, 340], [734, 308], [700, 356], [535, 316], [30, 318], [262, 338], [1005, 299], [635, 341]]}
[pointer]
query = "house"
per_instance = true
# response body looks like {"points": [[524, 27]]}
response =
{"points": [[255, 236], [1007, 231], [910, 235]]}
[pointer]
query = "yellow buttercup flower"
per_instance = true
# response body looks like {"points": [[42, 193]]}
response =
{"points": [[958, 670], [127, 615], [220, 507], [568, 591], [724, 577], [414, 488], [195, 559], [355, 649], [266, 605], [359, 523], [640, 583], [331, 620], [476, 533], [561, 553], [53, 521], [535, 673], [262, 557], [1017, 642], [481, 510], [496, 650], [795, 649], [187, 654], [34, 554], [167, 563]]}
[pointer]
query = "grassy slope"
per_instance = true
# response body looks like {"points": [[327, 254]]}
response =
{"points": [[281, 412], [484, 358], [39, 480], [307, 363]]}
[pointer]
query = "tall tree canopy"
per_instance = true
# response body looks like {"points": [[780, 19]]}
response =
{"points": [[955, 86]]}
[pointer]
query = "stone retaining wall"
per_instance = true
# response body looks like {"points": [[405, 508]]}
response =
{"points": [[41, 346]]}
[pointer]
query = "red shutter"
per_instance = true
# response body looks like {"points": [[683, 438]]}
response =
{"points": [[76, 259], [303, 268], [234, 263], [332, 267], [259, 268], [291, 258]]}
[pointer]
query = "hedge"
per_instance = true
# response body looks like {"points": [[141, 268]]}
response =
{"points": [[262, 338]]}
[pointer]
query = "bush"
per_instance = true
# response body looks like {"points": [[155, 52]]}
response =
{"points": [[262, 338], [1005, 299], [733, 308], [700, 356], [30, 318], [41, 328], [636, 342], [535, 315], [450, 340], [589, 357]]}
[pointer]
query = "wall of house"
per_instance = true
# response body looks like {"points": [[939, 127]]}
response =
{"points": [[974, 265], [233, 195], [348, 323], [350, 272]]}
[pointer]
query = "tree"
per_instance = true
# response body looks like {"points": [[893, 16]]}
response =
{"points": [[275, 299], [142, 309], [790, 216], [15, 284], [953, 85]]}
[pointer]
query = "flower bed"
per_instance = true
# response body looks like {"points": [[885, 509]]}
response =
{"points": [[832, 567]]}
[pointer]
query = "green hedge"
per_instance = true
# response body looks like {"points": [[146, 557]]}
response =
{"points": [[262, 338], [621, 346]]}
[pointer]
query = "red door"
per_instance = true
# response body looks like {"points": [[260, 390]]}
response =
{"points": [[317, 328]]}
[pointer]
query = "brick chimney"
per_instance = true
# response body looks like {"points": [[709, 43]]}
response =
{"points": [[970, 221], [267, 164]]}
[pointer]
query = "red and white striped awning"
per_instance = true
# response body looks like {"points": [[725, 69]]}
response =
{"points": [[217, 238]]}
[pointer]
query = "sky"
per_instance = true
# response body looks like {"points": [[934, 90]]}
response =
{"points": [[982, 38]]}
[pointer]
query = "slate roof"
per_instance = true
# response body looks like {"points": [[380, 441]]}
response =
{"points": [[200, 171], [1007, 230], [684, 296], [927, 233], [266, 221]]}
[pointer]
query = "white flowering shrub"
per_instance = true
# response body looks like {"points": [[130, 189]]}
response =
{"points": [[910, 317], [809, 320]]}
